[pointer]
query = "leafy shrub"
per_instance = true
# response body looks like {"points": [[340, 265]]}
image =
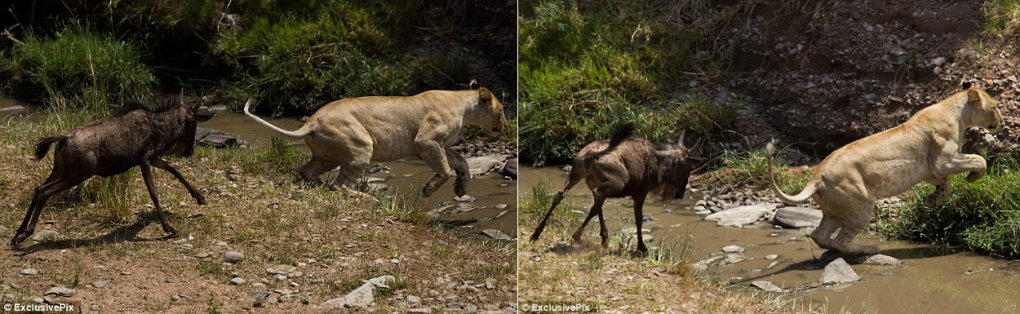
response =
{"points": [[77, 64]]}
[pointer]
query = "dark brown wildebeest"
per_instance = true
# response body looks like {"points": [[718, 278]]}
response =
{"points": [[625, 165], [137, 135]]}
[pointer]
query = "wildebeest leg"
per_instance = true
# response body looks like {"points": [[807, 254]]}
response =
{"points": [[603, 231], [43, 192], [576, 174], [163, 164], [460, 166], [639, 203], [595, 209], [147, 176]]}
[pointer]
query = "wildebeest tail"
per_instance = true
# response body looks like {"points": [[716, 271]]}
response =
{"points": [[43, 146], [621, 131]]}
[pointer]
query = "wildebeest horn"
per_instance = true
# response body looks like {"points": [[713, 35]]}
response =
{"points": [[181, 98], [681, 141]]}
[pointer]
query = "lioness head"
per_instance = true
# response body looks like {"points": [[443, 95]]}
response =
{"points": [[489, 112], [983, 109]]}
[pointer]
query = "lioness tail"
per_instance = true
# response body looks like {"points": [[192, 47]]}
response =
{"points": [[800, 198], [293, 134]]}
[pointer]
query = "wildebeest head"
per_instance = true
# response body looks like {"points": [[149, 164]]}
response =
{"points": [[676, 168], [189, 115]]}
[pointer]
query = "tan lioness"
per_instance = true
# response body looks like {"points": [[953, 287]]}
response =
{"points": [[925, 148], [350, 133]]}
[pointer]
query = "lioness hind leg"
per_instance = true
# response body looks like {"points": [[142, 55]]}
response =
{"points": [[314, 168], [823, 233], [849, 230]]}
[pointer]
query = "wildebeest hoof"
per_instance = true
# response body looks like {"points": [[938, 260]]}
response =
{"points": [[18, 238], [459, 189], [172, 232], [201, 200]]}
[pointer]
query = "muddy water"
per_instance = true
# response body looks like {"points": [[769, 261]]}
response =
{"points": [[406, 177], [933, 280]]}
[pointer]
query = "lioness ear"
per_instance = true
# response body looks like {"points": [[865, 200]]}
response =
{"points": [[484, 95], [973, 96], [965, 85], [473, 84]]}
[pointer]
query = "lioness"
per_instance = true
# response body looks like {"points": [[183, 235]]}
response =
{"points": [[350, 133], [925, 148]]}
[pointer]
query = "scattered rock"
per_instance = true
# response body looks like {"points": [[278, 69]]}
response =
{"points": [[465, 198], [60, 292], [363, 296], [29, 271], [797, 217], [413, 299], [423, 310], [838, 271], [496, 234], [100, 284], [480, 165], [47, 235], [215, 138], [743, 215], [771, 256], [702, 265], [510, 169], [233, 257], [883, 260], [766, 286], [280, 269], [733, 259], [733, 249], [237, 281]]}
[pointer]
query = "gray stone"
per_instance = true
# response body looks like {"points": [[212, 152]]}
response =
{"points": [[733, 249], [496, 234], [733, 259], [233, 257], [797, 217], [280, 270], [214, 138], [510, 168], [363, 296], [29, 271], [702, 265], [423, 310], [883, 260], [766, 286], [771, 256], [838, 271], [60, 292], [480, 165], [237, 281], [48, 235], [743, 215], [100, 284], [413, 299]]}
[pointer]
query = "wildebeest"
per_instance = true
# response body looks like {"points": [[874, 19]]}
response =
{"points": [[625, 165], [137, 135]]}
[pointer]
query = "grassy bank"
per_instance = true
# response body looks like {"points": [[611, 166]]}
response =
{"points": [[983, 216], [614, 279], [256, 207], [584, 66], [294, 56]]}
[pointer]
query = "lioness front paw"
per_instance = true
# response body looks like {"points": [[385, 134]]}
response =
{"points": [[975, 175]]}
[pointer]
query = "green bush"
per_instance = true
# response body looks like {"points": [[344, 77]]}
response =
{"points": [[983, 216], [77, 65], [585, 66]]}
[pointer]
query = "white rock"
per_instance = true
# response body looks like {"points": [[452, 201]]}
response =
{"points": [[733, 249], [237, 281], [60, 292], [838, 271], [363, 296], [233, 257], [797, 217], [743, 215], [766, 285]]}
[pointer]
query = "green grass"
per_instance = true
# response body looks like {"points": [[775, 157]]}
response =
{"points": [[1001, 17], [750, 168], [584, 67], [983, 216], [76, 64]]}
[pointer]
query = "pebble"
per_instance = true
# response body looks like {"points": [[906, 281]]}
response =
{"points": [[100, 284], [29, 271], [771, 256], [60, 291], [237, 281], [733, 249], [412, 299], [233, 257]]}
